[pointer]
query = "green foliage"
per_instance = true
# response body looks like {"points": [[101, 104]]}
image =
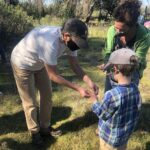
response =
{"points": [[32, 10], [14, 22], [49, 20], [60, 9], [69, 12], [106, 8], [55, 9]]}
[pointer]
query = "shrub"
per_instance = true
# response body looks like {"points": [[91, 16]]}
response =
{"points": [[14, 23]]}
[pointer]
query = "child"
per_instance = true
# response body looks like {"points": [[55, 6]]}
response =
{"points": [[119, 111]]}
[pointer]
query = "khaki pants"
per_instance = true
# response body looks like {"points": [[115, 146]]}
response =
{"points": [[27, 82], [106, 146]]}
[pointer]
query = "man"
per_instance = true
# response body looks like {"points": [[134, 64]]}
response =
{"points": [[126, 32], [34, 62]]}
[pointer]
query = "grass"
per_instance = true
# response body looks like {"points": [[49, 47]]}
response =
{"points": [[71, 113]]}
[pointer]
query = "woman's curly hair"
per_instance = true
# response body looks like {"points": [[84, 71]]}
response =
{"points": [[127, 11]]}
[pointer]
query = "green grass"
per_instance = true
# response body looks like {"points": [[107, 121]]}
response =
{"points": [[71, 113]]}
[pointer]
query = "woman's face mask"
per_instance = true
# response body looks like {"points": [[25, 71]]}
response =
{"points": [[72, 45]]}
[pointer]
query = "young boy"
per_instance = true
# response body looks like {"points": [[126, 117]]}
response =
{"points": [[119, 111]]}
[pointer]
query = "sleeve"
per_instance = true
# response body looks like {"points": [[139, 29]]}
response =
{"points": [[109, 44], [105, 109], [71, 53], [141, 47]]}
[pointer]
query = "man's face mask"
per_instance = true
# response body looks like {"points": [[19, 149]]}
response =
{"points": [[72, 45]]}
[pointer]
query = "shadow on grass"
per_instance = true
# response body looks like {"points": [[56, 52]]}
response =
{"points": [[9, 88], [90, 118], [15, 123], [148, 146], [60, 113], [144, 121], [7, 82], [79, 123], [11, 144]]}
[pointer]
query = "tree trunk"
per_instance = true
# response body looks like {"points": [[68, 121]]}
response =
{"points": [[40, 8], [71, 6], [29, 1], [86, 6], [90, 13]]}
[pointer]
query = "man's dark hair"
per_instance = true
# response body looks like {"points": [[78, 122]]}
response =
{"points": [[75, 27], [79, 32], [127, 70], [128, 12]]}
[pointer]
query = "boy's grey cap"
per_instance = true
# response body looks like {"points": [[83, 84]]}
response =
{"points": [[121, 57], [78, 30]]}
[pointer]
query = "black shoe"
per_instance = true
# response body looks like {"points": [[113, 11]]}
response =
{"points": [[50, 132], [37, 140]]}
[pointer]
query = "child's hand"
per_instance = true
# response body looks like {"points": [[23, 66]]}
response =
{"points": [[93, 98]]}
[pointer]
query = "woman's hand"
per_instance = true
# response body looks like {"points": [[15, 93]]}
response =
{"points": [[101, 67]]}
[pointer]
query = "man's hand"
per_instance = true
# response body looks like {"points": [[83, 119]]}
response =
{"points": [[91, 84], [83, 92], [94, 88]]}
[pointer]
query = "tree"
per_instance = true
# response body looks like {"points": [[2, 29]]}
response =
{"points": [[105, 8], [71, 8], [90, 12], [12, 2], [86, 6], [40, 7]]}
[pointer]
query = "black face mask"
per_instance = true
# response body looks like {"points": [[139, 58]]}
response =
{"points": [[72, 45]]}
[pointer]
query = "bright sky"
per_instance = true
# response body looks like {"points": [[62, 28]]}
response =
{"points": [[146, 2]]}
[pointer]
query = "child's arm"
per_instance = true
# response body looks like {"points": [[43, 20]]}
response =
{"points": [[105, 109], [96, 107]]}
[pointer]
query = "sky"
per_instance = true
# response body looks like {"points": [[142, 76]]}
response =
{"points": [[146, 2]]}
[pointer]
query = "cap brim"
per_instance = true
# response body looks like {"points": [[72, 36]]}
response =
{"points": [[81, 43], [107, 66]]}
